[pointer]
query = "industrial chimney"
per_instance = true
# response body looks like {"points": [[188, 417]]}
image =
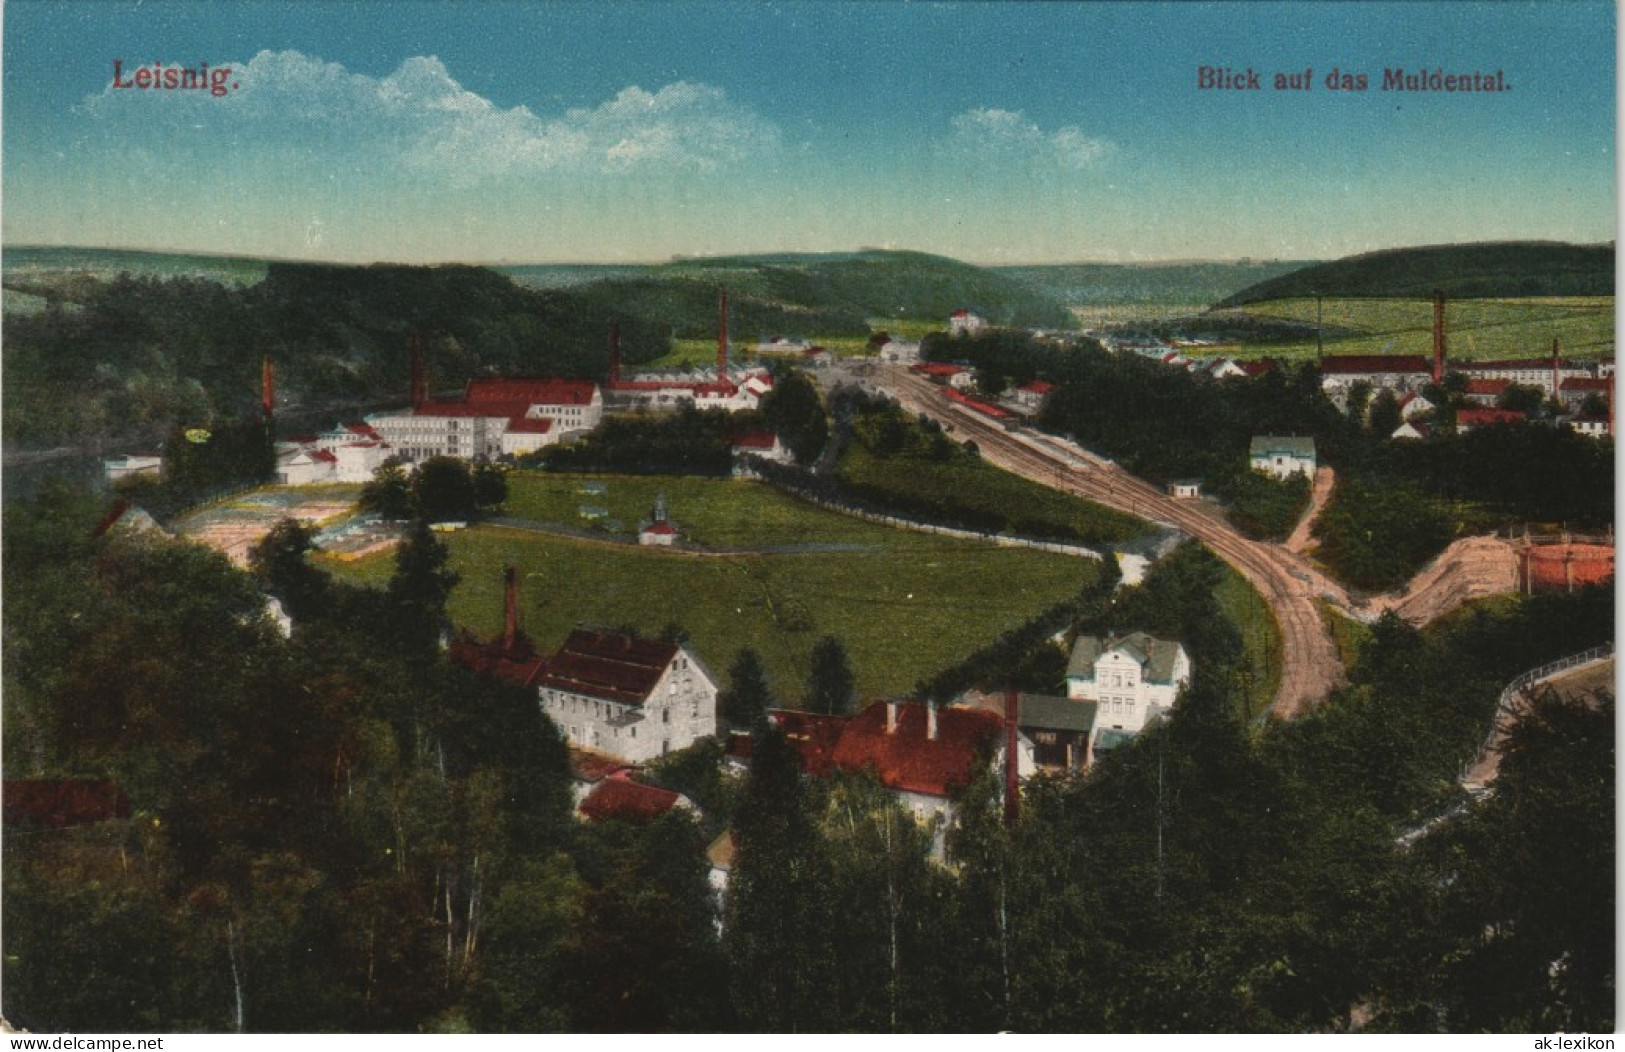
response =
{"points": [[419, 383], [510, 609], [722, 337], [1438, 336], [614, 353], [1557, 372], [267, 387]]}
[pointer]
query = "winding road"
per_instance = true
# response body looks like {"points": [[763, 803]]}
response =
{"points": [[1310, 665]]}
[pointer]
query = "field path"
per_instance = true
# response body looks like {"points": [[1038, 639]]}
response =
{"points": [[1325, 482]]}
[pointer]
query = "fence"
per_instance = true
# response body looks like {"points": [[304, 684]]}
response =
{"points": [[1515, 689]]}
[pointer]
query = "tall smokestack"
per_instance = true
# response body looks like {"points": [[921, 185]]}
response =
{"points": [[1012, 774], [419, 384], [1557, 372], [267, 387], [510, 608], [614, 353], [1438, 336], [722, 337]]}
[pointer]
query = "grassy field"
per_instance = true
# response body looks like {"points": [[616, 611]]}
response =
{"points": [[905, 604], [980, 487], [1476, 329], [1260, 640]]}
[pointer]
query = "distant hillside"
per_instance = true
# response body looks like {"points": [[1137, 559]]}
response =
{"points": [[1147, 284], [1492, 269]]}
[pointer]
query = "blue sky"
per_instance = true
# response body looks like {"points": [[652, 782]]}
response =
{"points": [[991, 132]]}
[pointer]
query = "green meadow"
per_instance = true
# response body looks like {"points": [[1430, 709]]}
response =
{"points": [[1475, 328], [904, 604]]}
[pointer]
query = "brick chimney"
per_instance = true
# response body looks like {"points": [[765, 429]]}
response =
{"points": [[930, 721], [722, 337], [510, 608], [419, 382], [1012, 774], [614, 354], [1557, 372], [267, 387], [1438, 336]]}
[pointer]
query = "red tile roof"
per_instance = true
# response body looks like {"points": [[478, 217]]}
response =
{"points": [[943, 369], [492, 410], [660, 529], [519, 664], [1586, 383], [607, 665], [1258, 368], [1508, 363], [62, 802], [588, 766], [1038, 387], [323, 455], [986, 409], [505, 390], [1375, 363], [1488, 387], [618, 797], [526, 425], [904, 759], [755, 440], [364, 430], [1484, 417]]}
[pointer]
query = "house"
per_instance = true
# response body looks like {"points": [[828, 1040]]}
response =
{"points": [[1399, 373], [1576, 389], [1547, 373], [944, 373], [1473, 419], [122, 467], [1134, 678], [1485, 392], [922, 753], [1414, 405], [750, 445], [1282, 456], [537, 411], [898, 352], [126, 517], [1055, 735], [618, 797], [658, 531], [1185, 489], [1410, 429], [1031, 395], [1254, 369], [1223, 368], [307, 467], [631, 698], [965, 323], [1592, 426]]}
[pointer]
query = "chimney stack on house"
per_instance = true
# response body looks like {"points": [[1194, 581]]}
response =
{"points": [[722, 337], [1438, 336], [1012, 774], [614, 354], [510, 608]]}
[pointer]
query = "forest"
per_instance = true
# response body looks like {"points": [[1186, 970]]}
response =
{"points": [[339, 831]]}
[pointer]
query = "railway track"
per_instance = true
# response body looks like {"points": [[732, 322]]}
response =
{"points": [[1310, 666]]}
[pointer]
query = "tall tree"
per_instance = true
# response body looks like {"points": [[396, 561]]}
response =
{"points": [[279, 561], [831, 687], [418, 592], [746, 701], [796, 412]]}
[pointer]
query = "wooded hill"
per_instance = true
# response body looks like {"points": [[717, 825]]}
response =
{"points": [[1474, 271]]}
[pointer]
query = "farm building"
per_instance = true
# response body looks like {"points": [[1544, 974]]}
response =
{"points": [[631, 698], [1282, 456]]}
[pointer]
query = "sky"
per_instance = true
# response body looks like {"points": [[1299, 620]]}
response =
{"points": [[994, 133]]}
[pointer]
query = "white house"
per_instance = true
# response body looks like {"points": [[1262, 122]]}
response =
{"points": [[899, 352], [122, 467], [306, 467], [965, 323], [1032, 394], [1282, 456], [1134, 678], [495, 416], [635, 699], [753, 444]]}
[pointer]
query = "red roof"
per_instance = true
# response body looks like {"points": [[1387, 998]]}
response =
{"points": [[960, 313], [1586, 383], [660, 529], [364, 430], [996, 412], [1488, 417], [1258, 368], [755, 440], [618, 797], [519, 664], [813, 736], [465, 409], [589, 766], [607, 665], [323, 455], [1038, 387], [62, 802], [1508, 363], [1375, 363], [504, 390], [944, 369], [1488, 387], [906, 759]]}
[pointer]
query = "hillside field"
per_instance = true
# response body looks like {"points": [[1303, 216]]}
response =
{"points": [[904, 604], [1475, 329]]}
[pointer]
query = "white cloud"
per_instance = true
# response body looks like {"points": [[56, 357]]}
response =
{"points": [[421, 117], [1008, 133]]}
